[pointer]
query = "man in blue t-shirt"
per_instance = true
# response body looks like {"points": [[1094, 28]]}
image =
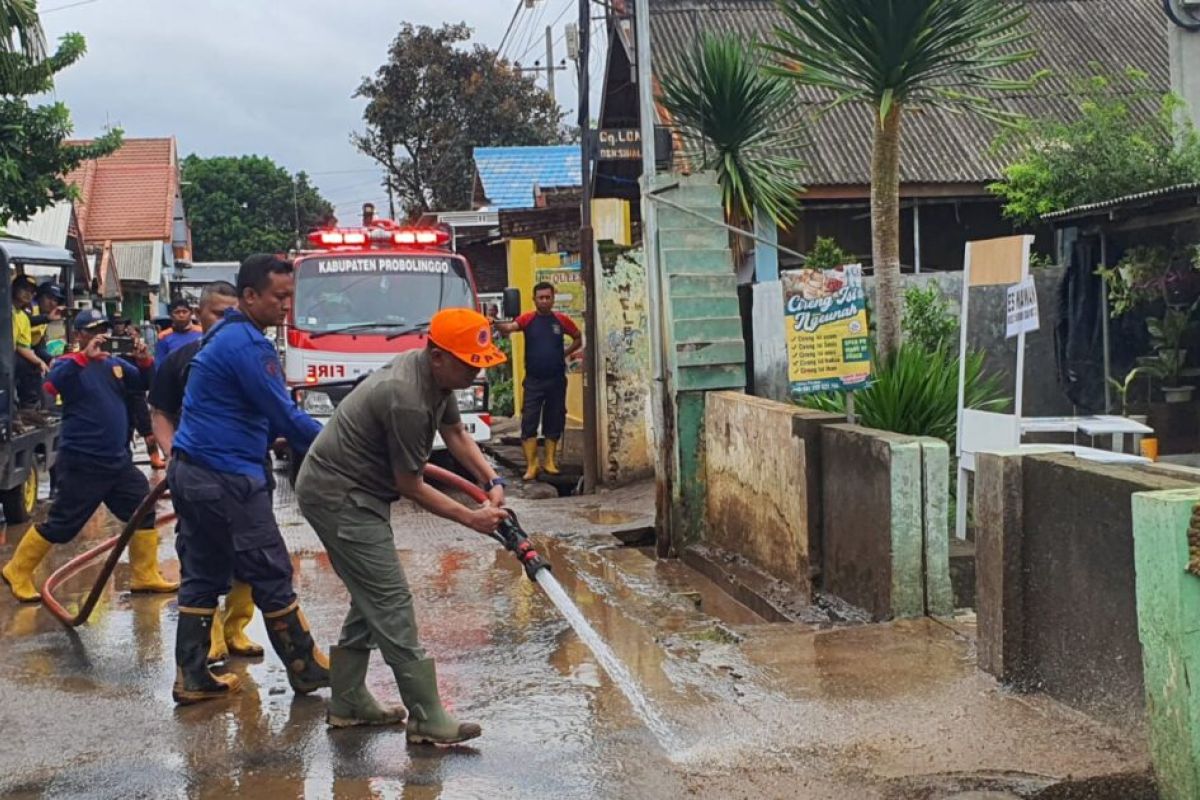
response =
{"points": [[183, 332], [94, 462], [545, 384], [234, 405]]}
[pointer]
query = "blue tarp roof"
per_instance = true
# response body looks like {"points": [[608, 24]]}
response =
{"points": [[509, 174]]}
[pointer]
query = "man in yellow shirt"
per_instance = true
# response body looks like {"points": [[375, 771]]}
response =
{"points": [[30, 369]]}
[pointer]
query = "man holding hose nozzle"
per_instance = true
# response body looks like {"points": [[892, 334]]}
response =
{"points": [[371, 453], [234, 404]]}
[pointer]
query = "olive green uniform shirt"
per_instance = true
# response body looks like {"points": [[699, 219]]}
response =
{"points": [[387, 424]]}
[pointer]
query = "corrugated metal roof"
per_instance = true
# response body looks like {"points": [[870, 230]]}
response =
{"points": [[509, 174], [48, 226], [939, 146], [1089, 209], [139, 262]]}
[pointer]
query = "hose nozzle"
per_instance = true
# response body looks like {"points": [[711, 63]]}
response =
{"points": [[516, 541]]}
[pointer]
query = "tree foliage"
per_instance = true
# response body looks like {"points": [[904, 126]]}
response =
{"points": [[890, 56], [34, 155], [21, 30], [433, 101], [238, 205], [1112, 147], [721, 96]]}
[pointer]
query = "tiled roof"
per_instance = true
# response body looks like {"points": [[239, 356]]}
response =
{"points": [[129, 195], [139, 262], [938, 146], [509, 174]]}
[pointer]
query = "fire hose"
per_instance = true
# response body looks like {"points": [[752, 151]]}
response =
{"points": [[114, 547], [510, 535]]}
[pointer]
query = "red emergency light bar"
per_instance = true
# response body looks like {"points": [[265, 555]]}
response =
{"points": [[379, 236]]}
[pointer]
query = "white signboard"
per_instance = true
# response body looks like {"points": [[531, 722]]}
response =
{"points": [[1022, 308]]}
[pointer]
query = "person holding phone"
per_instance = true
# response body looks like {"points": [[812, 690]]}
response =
{"points": [[94, 462]]}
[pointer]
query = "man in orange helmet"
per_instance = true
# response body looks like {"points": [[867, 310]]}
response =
{"points": [[371, 453]]}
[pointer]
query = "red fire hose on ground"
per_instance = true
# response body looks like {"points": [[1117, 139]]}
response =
{"points": [[114, 547], [510, 535]]}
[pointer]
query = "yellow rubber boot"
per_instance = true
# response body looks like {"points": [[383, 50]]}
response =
{"points": [[143, 558], [239, 610], [551, 452], [218, 650], [18, 572], [530, 446]]}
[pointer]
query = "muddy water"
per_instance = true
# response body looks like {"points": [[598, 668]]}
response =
{"points": [[763, 711]]}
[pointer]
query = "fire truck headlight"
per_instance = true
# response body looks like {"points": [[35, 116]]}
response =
{"points": [[472, 399], [317, 404]]}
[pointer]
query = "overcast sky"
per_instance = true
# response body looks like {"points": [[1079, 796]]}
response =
{"points": [[267, 77]]}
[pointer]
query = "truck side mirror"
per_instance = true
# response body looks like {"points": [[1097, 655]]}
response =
{"points": [[512, 303]]}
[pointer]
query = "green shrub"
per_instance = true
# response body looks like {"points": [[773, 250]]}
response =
{"points": [[928, 322], [501, 381], [915, 392]]}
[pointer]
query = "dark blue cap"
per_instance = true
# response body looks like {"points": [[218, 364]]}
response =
{"points": [[89, 318]]}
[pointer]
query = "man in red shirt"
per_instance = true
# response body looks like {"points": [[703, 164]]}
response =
{"points": [[545, 384]]}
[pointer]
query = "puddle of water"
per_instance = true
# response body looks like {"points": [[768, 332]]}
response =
{"points": [[616, 670], [605, 516]]}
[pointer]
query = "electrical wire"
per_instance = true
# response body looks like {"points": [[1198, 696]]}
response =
{"points": [[512, 22]]}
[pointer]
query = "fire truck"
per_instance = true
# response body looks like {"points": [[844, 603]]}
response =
{"points": [[365, 294]]}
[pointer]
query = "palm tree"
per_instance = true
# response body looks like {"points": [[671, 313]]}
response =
{"points": [[721, 96], [893, 55], [21, 30]]}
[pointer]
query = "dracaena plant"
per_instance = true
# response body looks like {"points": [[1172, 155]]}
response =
{"points": [[890, 56]]}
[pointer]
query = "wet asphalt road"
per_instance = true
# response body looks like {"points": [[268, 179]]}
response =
{"points": [[762, 710]]}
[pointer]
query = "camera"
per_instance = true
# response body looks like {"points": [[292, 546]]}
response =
{"points": [[118, 345]]}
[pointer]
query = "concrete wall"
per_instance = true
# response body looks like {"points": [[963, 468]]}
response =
{"points": [[624, 352], [1165, 524], [1055, 577], [876, 503], [764, 493], [1043, 395]]}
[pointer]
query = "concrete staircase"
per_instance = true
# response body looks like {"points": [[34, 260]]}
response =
{"points": [[705, 324]]}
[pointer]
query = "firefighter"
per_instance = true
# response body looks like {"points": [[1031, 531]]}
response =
{"points": [[94, 462], [166, 402], [234, 401], [372, 452], [139, 410], [545, 384]]}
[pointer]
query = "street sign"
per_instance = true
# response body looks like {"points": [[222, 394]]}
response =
{"points": [[1022, 308], [619, 144]]}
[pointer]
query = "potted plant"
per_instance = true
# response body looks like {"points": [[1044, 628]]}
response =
{"points": [[1123, 387], [1168, 334]]}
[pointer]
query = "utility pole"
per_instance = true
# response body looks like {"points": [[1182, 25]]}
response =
{"points": [[550, 62], [661, 401], [296, 211], [587, 255]]}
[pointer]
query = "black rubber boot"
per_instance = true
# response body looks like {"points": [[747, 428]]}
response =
{"points": [[194, 683], [307, 666]]}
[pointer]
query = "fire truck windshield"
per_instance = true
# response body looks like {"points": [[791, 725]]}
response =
{"points": [[355, 289]]}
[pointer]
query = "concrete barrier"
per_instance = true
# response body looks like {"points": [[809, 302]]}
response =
{"points": [[1168, 603], [763, 483], [884, 523], [1054, 569]]}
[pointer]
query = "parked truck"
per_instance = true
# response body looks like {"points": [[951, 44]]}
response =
{"points": [[26, 454]]}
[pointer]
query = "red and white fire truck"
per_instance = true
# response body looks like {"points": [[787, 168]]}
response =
{"points": [[362, 296]]}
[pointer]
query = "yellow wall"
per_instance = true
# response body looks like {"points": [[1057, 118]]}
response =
{"points": [[523, 261]]}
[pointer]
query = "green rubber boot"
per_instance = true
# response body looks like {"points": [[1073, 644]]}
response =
{"points": [[428, 722], [350, 702]]}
